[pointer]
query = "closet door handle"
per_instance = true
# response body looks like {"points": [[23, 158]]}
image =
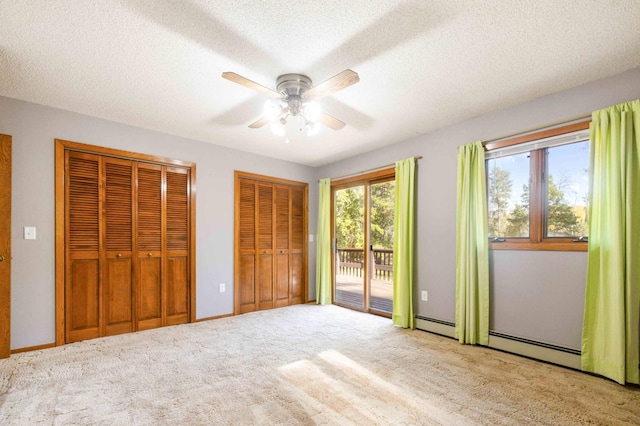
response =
{"points": [[119, 255], [149, 254], [1, 258]]}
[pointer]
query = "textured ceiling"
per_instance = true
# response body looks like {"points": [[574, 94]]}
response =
{"points": [[422, 64]]}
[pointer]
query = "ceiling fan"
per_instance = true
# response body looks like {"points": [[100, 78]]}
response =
{"points": [[296, 97]]}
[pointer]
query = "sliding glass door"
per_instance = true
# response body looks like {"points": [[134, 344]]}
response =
{"points": [[382, 200], [349, 253], [363, 242]]}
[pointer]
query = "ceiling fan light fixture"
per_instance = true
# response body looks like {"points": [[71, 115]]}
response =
{"points": [[313, 128], [271, 110], [277, 128], [312, 111], [297, 95]]}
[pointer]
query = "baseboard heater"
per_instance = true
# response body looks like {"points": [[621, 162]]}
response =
{"points": [[542, 351]]}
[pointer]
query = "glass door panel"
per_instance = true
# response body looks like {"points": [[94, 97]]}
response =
{"points": [[363, 231], [349, 249], [381, 211]]}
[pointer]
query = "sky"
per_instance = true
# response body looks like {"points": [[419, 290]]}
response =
{"points": [[566, 161]]}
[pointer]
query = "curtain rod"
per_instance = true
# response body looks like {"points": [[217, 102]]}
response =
{"points": [[375, 169], [571, 120]]}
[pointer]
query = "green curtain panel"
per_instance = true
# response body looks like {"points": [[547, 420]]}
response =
{"points": [[323, 255], [472, 248], [611, 329], [403, 243]]}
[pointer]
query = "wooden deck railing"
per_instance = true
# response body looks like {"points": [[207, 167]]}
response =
{"points": [[350, 261]]}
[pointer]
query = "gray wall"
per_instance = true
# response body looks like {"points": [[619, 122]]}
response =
{"points": [[535, 295], [34, 129]]}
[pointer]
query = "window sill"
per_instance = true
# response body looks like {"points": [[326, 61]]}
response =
{"points": [[544, 246]]}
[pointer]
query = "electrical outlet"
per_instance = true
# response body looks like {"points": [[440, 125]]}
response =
{"points": [[425, 296], [222, 287]]}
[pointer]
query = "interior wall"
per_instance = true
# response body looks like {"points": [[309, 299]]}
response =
{"points": [[34, 128], [535, 295], [548, 288]]}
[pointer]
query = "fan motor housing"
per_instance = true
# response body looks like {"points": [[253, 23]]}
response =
{"points": [[293, 84]]}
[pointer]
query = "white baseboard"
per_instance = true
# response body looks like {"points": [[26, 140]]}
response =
{"points": [[530, 349], [435, 327]]}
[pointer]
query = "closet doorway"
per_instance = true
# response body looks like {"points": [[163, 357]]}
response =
{"points": [[270, 242], [362, 223], [125, 242]]}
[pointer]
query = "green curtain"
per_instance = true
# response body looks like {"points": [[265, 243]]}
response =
{"points": [[403, 243], [472, 248], [611, 329], [323, 254]]}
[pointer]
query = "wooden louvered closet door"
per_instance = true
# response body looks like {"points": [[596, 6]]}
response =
{"points": [[283, 231], [149, 246], [177, 238], [117, 281], [127, 245], [82, 274], [270, 260], [246, 299], [264, 267], [99, 281], [163, 246], [297, 242]]}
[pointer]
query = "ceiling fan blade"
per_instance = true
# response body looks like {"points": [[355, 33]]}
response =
{"points": [[331, 122], [338, 82], [243, 81], [259, 123]]}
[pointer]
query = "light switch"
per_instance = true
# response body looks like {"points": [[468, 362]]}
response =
{"points": [[310, 238], [29, 232]]}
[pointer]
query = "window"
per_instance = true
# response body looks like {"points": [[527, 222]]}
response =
{"points": [[537, 190]]}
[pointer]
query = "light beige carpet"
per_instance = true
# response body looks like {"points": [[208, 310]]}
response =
{"points": [[304, 364]]}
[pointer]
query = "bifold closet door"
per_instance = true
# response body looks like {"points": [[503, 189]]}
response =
{"points": [[297, 244], [99, 284], [82, 251], [289, 244], [246, 246], [126, 243], [177, 237], [270, 247], [117, 237], [255, 246], [162, 246], [282, 244], [149, 246], [265, 241]]}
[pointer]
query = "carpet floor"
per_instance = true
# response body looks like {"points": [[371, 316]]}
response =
{"points": [[305, 364]]}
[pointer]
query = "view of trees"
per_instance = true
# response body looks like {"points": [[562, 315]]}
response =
{"points": [[562, 219], [349, 210], [518, 222], [382, 210], [499, 194]]}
